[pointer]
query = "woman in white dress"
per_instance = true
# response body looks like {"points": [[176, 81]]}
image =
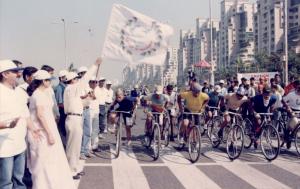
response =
{"points": [[47, 160]]}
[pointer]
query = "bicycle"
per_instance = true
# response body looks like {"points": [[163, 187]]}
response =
{"points": [[232, 134], [118, 132], [191, 135], [268, 134], [153, 136], [287, 135], [214, 121]]}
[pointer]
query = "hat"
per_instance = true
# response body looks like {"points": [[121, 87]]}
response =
{"points": [[158, 89], [82, 69], [71, 75], [62, 73], [221, 81], [102, 79], [196, 87], [108, 82], [41, 75], [93, 78], [218, 89], [8, 65]]}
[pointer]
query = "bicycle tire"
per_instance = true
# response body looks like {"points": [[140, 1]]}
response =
{"points": [[268, 136], [118, 136], [212, 131], [155, 141], [179, 135], [194, 144], [235, 142], [248, 133], [166, 133], [297, 139]]}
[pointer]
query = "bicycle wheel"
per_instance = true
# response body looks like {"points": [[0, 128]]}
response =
{"points": [[213, 128], [155, 142], [118, 135], [281, 131], [180, 134], [297, 139], [235, 142], [269, 141], [166, 133], [248, 135], [194, 144]]}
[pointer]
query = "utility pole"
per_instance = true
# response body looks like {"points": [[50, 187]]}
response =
{"points": [[212, 75], [286, 58]]}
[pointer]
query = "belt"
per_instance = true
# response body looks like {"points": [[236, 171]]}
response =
{"points": [[87, 107], [74, 114]]}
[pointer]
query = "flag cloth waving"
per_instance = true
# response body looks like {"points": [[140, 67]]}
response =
{"points": [[135, 38]]}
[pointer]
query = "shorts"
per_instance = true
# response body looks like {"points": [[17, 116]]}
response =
{"points": [[127, 118], [189, 117]]}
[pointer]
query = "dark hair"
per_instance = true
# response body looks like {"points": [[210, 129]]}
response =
{"points": [[28, 71], [276, 75], [47, 68], [33, 86], [272, 80], [170, 87], [17, 62], [252, 78]]}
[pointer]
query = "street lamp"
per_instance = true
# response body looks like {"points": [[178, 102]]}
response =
{"points": [[65, 40]]}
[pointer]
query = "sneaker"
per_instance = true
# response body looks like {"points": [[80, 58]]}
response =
{"points": [[76, 177], [129, 143], [105, 131], [82, 157], [90, 155], [181, 140], [101, 136], [288, 145], [255, 144]]}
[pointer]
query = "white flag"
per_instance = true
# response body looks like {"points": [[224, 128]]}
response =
{"points": [[135, 38]]}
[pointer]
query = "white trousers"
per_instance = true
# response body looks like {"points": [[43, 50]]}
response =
{"points": [[74, 138]]}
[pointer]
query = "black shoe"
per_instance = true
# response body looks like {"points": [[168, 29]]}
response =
{"points": [[288, 145], [255, 144], [172, 139], [220, 133], [76, 177]]}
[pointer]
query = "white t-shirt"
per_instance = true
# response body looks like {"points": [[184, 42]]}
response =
{"points": [[101, 95], [293, 100], [12, 140]]}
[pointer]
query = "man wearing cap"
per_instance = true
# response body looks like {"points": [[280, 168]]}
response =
{"points": [[101, 95], [261, 103], [223, 88], [156, 102], [14, 117], [214, 101], [73, 107], [86, 97], [59, 96], [195, 102]]}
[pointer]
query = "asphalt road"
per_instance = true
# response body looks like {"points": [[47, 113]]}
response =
{"points": [[135, 168]]}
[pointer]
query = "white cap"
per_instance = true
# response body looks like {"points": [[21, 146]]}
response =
{"points": [[218, 88], [41, 75], [62, 73], [158, 89], [71, 75], [108, 82], [7, 65], [102, 79], [222, 81], [82, 69], [136, 86]]}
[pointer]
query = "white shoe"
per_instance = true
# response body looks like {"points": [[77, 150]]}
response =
{"points": [[105, 131], [181, 141]]}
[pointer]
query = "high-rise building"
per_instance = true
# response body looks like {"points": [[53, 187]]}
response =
{"points": [[269, 26], [203, 33], [170, 69], [294, 25], [236, 32]]}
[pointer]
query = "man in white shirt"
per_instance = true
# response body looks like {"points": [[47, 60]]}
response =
{"points": [[13, 121], [101, 95], [73, 107], [223, 88], [110, 93]]}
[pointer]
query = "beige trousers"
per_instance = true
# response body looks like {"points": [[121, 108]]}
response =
{"points": [[74, 138]]}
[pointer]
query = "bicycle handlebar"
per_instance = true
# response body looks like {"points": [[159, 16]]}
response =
{"points": [[266, 114], [190, 113], [123, 112], [234, 113], [212, 107]]}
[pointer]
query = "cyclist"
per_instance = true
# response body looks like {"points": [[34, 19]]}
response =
{"points": [[292, 103], [261, 103], [195, 102], [126, 104], [233, 103], [214, 101], [156, 102], [171, 106]]}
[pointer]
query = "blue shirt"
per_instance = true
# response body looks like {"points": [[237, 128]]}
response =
{"points": [[134, 93], [59, 93], [259, 105], [213, 99]]}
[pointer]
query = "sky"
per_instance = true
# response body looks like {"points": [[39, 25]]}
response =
{"points": [[32, 30]]}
